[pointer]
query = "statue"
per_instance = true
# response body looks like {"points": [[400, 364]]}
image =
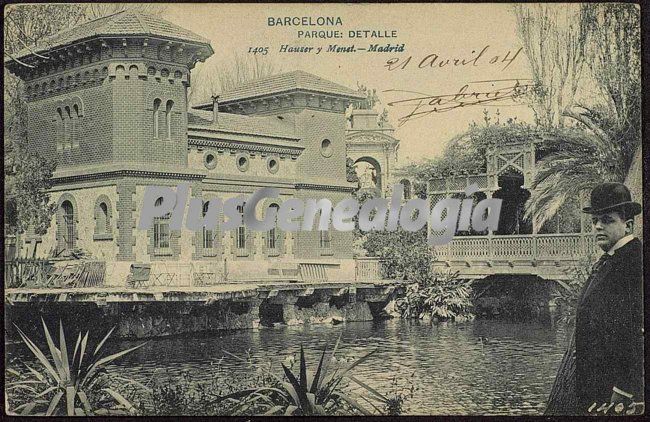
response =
{"points": [[371, 98], [366, 179], [383, 118]]}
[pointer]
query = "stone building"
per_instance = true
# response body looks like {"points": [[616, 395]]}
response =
{"points": [[371, 140], [108, 101]]}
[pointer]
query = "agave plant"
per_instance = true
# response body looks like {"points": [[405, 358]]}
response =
{"points": [[308, 393], [69, 379]]}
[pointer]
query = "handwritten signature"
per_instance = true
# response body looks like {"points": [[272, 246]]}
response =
{"points": [[505, 92]]}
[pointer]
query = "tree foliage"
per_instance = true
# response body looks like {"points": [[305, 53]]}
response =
{"points": [[467, 153], [607, 119], [27, 203], [407, 256], [216, 76], [585, 136], [554, 39], [444, 296]]}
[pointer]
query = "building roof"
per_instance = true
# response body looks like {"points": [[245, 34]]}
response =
{"points": [[238, 123], [124, 23], [297, 80]]}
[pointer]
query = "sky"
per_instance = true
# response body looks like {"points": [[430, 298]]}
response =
{"points": [[450, 31]]}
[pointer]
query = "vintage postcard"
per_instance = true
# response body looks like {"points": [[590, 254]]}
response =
{"points": [[323, 209]]}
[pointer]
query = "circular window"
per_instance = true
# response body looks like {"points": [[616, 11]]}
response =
{"points": [[273, 164], [210, 160], [242, 162], [326, 148]]}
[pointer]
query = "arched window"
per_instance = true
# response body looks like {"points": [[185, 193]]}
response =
{"points": [[156, 124], [161, 229], [68, 225], [208, 235], [325, 240], [74, 129], [168, 119], [133, 71], [240, 240], [102, 214], [66, 128], [273, 235], [60, 140], [102, 218]]}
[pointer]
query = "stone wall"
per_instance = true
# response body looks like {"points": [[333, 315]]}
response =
{"points": [[165, 319], [156, 319]]}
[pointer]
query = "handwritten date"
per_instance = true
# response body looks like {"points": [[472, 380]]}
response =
{"points": [[476, 57]]}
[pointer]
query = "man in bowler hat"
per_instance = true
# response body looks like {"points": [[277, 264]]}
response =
{"points": [[609, 317], [602, 370]]}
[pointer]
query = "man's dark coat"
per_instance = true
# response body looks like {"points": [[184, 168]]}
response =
{"points": [[609, 329]]}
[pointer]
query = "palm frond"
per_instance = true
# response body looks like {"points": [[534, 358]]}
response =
{"points": [[577, 162]]}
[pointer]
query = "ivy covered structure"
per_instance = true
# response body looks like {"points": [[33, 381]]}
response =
{"points": [[504, 165]]}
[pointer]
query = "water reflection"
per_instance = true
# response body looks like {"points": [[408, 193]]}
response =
{"points": [[479, 367]]}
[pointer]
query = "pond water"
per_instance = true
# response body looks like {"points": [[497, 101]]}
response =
{"points": [[481, 367]]}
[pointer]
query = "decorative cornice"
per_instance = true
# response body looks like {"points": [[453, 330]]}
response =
{"points": [[370, 138], [127, 173], [87, 46], [245, 146], [334, 188], [293, 98], [200, 128]]}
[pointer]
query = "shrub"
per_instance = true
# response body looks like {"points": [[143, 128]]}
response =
{"points": [[407, 256], [441, 296]]}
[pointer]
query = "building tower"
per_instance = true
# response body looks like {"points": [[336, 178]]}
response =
{"points": [[107, 100]]}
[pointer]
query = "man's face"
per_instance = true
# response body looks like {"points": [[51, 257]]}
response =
{"points": [[609, 229]]}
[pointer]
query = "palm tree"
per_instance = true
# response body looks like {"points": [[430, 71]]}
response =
{"points": [[577, 161]]}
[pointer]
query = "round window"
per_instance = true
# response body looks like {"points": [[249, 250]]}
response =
{"points": [[326, 148], [210, 160], [272, 164], [242, 162]]}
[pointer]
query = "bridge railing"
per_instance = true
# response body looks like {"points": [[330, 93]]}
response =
{"points": [[517, 247], [367, 269]]}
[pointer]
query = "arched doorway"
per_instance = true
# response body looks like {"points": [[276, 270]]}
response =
{"points": [[369, 172]]}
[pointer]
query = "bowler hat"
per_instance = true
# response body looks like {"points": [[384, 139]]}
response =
{"points": [[610, 196]]}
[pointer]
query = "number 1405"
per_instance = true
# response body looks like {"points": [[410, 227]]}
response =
{"points": [[258, 50]]}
